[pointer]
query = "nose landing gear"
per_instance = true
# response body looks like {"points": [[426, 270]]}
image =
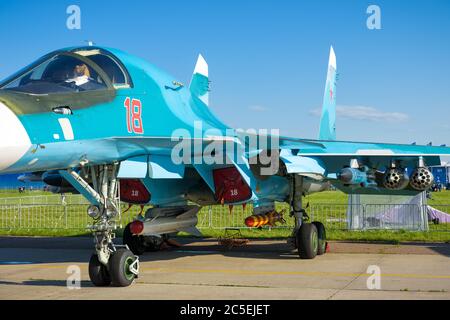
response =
{"points": [[123, 267], [98, 273], [111, 264]]}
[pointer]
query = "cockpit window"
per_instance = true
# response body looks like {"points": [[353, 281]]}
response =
{"points": [[109, 64], [62, 73]]}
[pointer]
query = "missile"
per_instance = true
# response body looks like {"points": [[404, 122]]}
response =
{"points": [[167, 224], [259, 220], [353, 176]]}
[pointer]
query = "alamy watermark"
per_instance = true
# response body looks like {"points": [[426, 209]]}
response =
{"points": [[74, 278], [238, 146], [374, 280], [73, 21], [373, 22]]}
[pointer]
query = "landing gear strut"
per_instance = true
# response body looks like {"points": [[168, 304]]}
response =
{"points": [[308, 238], [110, 264]]}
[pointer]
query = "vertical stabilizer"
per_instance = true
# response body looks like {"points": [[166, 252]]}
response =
{"points": [[200, 83], [327, 130]]}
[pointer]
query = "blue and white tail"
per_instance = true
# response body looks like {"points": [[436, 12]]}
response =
{"points": [[327, 130], [200, 83]]}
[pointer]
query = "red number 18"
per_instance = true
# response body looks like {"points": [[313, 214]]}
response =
{"points": [[134, 116]]}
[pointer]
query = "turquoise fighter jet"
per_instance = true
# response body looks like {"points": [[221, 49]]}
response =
{"points": [[113, 127]]}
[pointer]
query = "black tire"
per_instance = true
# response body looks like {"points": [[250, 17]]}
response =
{"points": [[322, 235], [153, 243], [135, 243], [307, 241], [98, 273], [119, 263]]}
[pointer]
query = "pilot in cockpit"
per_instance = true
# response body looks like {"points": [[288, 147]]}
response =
{"points": [[81, 75], [84, 80]]}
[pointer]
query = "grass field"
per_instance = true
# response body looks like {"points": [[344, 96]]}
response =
{"points": [[41, 214]]}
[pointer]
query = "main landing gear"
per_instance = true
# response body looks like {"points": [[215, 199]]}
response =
{"points": [[308, 238], [311, 240], [111, 264]]}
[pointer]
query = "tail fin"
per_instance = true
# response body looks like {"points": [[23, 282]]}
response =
{"points": [[327, 129], [200, 83]]}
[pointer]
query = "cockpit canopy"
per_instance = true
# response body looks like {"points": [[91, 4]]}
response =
{"points": [[82, 69]]}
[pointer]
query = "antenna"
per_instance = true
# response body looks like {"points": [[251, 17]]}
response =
{"points": [[90, 43]]}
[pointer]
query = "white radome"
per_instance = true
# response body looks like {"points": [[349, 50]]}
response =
{"points": [[14, 139]]}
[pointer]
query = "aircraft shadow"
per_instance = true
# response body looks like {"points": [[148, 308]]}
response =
{"points": [[269, 251], [257, 249], [78, 250], [44, 283], [440, 248]]}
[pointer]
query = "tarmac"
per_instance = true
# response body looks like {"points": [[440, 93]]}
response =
{"points": [[37, 268]]}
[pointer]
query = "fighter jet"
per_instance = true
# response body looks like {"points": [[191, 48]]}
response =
{"points": [[113, 127]]}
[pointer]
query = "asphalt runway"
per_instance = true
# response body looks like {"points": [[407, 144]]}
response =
{"points": [[36, 268]]}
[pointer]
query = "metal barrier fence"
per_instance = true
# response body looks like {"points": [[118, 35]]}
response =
{"points": [[50, 212], [55, 212], [336, 217], [44, 200]]}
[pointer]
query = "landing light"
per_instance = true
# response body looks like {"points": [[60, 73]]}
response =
{"points": [[93, 212]]}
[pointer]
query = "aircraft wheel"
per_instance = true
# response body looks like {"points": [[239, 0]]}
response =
{"points": [[136, 243], [123, 267], [322, 235], [153, 243], [307, 241], [98, 272]]}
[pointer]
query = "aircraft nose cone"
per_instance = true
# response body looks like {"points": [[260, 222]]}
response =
{"points": [[14, 140]]}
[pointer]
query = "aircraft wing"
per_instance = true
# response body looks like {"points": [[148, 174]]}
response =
{"points": [[165, 144], [331, 156], [301, 147], [326, 155], [349, 148]]}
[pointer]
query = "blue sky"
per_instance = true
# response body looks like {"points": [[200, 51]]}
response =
{"points": [[268, 59]]}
